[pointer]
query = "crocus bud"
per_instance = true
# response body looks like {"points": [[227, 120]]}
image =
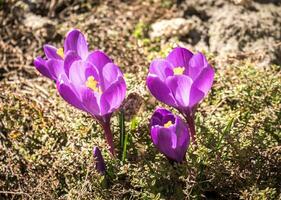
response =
{"points": [[99, 161], [169, 134]]}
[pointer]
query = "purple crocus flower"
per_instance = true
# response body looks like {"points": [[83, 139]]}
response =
{"points": [[181, 80], [169, 134], [59, 60], [99, 161], [89, 81]]}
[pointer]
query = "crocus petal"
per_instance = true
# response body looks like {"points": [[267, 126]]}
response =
{"points": [[196, 96], [159, 90], [68, 93], [161, 68], [162, 139], [180, 57], [110, 74], [196, 65], [75, 41], [42, 67], [51, 52], [90, 101], [77, 72], [70, 57], [98, 59], [180, 86], [112, 98], [183, 137], [55, 68], [158, 116], [205, 80]]}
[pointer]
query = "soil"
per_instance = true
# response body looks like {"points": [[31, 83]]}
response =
{"points": [[226, 27]]}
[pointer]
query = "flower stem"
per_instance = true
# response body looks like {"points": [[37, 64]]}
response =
{"points": [[109, 137], [191, 124], [189, 118]]}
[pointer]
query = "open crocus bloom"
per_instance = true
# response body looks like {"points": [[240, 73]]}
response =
{"points": [[181, 80], [169, 134], [60, 59], [88, 81], [96, 89]]}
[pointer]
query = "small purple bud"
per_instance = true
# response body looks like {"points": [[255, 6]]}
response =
{"points": [[99, 161]]}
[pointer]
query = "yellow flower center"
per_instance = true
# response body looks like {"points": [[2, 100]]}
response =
{"points": [[92, 83], [178, 70], [168, 124], [60, 52]]}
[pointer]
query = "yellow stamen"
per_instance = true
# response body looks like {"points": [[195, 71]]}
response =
{"points": [[168, 124], [60, 52], [93, 84], [178, 70]]}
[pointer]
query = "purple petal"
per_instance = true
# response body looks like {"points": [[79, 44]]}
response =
{"points": [[163, 140], [180, 86], [196, 65], [51, 52], [159, 90], [90, 102], [70, 57], [42, 67], [205, 80], [98, 59], [183, 137], [75, 41], [110, 74], [196, 96], [68, 93], [79, 71], [180, 57], [113, 97], [161, 68], [158, 115], [55, 68]]}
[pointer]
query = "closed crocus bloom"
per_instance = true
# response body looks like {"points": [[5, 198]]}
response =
{"points": [[99, 161], [169, 134], [181, 80], [89, 81]]}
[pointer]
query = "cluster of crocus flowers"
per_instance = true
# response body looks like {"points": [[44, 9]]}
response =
{"points": [[181, 80], [89, 81]]}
